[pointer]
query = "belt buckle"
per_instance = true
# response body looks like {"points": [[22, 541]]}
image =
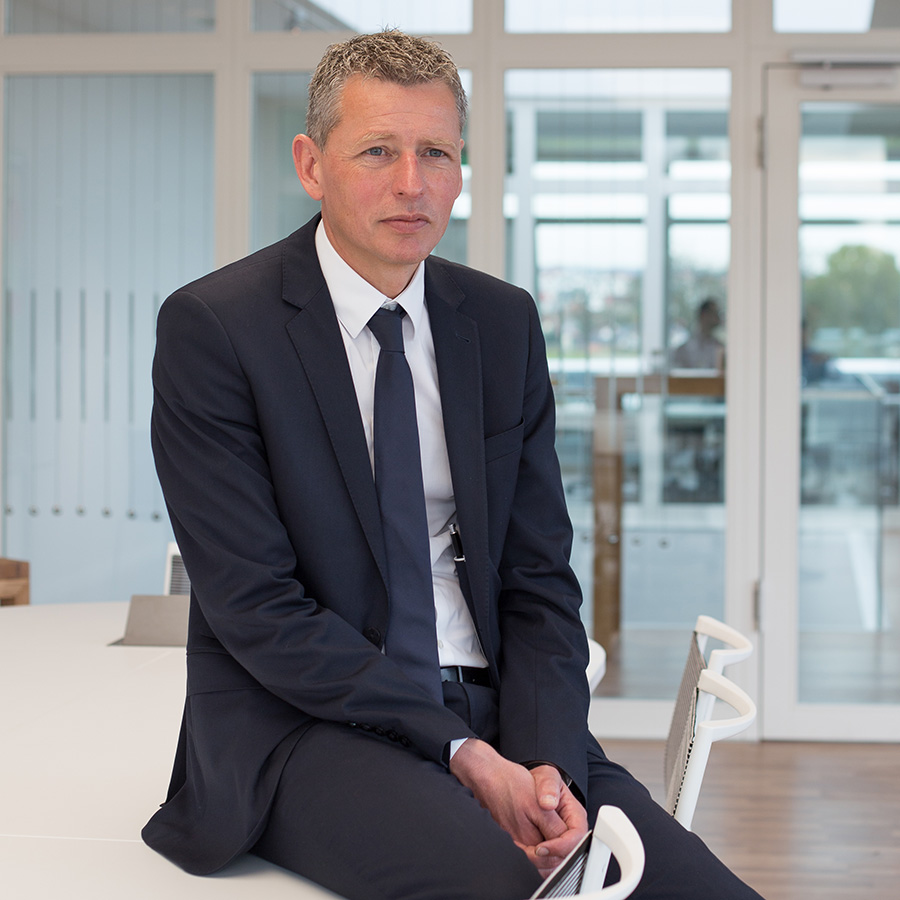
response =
{"points": [[452, 673]]}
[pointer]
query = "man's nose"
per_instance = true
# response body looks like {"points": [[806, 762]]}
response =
{"points": [[408, 178]]}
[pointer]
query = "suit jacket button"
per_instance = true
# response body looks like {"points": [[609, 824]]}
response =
{"points": [[393, 735], [404, 740], [373, 635], [378, 730]]}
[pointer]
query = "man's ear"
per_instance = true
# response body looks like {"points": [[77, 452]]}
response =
{"points": [[306, 162]]}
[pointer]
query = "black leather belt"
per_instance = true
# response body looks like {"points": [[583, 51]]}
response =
{"points": [[466, 675]]}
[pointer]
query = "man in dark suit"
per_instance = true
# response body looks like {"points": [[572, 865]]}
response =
{"points": [[306, 738]]}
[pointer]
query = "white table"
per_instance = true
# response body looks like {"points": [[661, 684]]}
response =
{"points": [[87, 737]]}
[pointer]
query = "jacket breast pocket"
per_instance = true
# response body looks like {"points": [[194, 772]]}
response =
{"points": [[499, 445]]}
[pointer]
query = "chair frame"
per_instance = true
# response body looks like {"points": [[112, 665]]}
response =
{"points": [[711, 686], [613, 835], [737, 650]]}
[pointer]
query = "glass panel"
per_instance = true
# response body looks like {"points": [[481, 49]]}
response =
{"points": [[577, 16], [363, 16], [821, 16], [99, 16], [280, 205], [617, 220], [109, 207], [850, 417]]}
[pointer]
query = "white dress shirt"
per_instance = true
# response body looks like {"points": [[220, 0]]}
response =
{"points": [[355, 302]]}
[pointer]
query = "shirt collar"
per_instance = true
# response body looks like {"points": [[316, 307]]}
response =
{"points": [[355, 300]]}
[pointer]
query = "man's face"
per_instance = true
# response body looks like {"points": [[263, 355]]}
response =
{"points": [[387, 176]]}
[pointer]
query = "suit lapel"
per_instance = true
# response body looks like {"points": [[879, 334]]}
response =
{"points": [[315, 333], [316, 336], [458, 359]]}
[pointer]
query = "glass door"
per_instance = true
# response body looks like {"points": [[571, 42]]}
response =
{"points": [[617, 205], [831, 588]]}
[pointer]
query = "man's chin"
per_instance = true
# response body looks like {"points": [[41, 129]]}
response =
{"points": [[411, 252]]}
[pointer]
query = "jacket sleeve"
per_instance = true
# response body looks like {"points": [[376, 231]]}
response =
{"points": [[544, 696], [214, 469]]}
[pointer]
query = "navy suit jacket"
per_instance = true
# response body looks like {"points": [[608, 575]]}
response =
{"points": [[261, 454]]}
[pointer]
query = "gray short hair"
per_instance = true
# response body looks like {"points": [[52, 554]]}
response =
{"points": [[389, 55]]}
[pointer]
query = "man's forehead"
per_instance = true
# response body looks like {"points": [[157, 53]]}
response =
{"points": [[383, 114], [371, 85]]}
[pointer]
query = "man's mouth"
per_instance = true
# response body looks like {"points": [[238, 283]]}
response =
{"points": [[407, 223]]}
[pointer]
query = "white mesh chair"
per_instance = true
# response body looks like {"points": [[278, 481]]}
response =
{"points": [[596, 667], [583, 871], [693, 730], [176, 581]]}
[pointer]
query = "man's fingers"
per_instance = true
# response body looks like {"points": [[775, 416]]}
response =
{"points": [[528, 834], [558, 847], [544, 864], [547, 786], [544, 873]]}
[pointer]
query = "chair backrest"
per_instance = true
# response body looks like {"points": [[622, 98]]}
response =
{"points": [[693, 731], [176, 580], [596, 667], [613, 835], [738, 647], [583, 872]]}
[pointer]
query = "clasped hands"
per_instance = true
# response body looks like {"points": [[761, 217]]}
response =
{"points": [[534, 806]]}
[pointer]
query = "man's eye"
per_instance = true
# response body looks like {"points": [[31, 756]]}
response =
{"points": [[375, 151], [434, 152]]}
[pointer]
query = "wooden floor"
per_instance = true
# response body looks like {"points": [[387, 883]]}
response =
{"points": [[795, 820]]}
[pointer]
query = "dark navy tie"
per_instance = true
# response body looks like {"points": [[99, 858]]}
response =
{"points": [[411, 639]]}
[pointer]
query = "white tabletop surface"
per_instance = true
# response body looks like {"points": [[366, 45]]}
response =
{"points": [[87, 737]]}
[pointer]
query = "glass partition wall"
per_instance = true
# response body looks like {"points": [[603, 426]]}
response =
{"points": [[106, 17], [103, 218], [619, 164], [454, 17], [617, 205]]}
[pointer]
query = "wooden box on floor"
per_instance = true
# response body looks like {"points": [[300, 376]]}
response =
{"points": [[13, 582]]}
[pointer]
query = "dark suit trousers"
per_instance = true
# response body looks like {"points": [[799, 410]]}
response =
{"points": [[371, 820]]}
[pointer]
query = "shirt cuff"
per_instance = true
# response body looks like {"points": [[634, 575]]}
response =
{"points": [[454, 746]]}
